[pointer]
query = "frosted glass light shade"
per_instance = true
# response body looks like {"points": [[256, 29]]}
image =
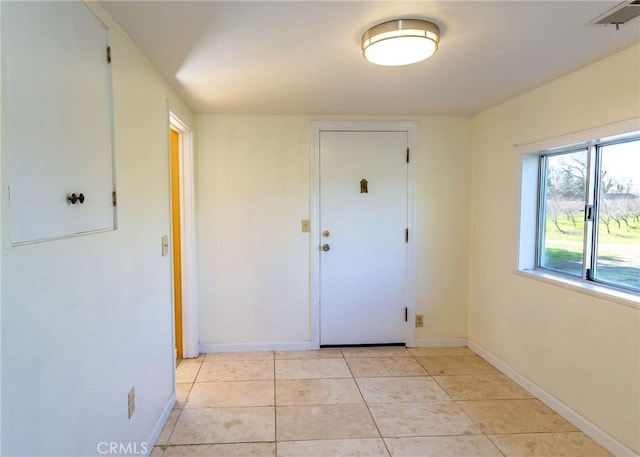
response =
{"points": [[400, 42]]}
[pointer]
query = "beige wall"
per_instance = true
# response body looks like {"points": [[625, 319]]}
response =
{"points": [[443, 208], [253, 190], [583, 350], [85, 319], [253, 181]]}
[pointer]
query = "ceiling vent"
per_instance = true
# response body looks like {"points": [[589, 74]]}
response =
{"points": [[618, 15]]}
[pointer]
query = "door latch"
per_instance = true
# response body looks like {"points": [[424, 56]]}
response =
{"points": [[588, 213]]}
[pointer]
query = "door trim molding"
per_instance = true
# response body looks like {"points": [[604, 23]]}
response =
{"points": [[188, 239], [314, 248]]}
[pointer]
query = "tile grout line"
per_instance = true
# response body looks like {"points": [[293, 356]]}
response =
{"points": [[482, 433], [495, 445], [455, 402], [183, 406], [450, 398], [384, 442]]}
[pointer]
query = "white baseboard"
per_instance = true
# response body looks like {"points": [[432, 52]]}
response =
{"points": [[440, 342], [157, 429], [308, 345], [258, 347], [596, 433]]}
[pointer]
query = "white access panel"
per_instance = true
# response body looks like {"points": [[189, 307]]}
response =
{"points": [[363, 273], [57, 119]]}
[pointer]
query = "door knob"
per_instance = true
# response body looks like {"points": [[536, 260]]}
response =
{"points": [[73, 198], [326, 247]]}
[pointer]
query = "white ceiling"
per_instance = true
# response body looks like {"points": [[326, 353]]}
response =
{"points": [[304, 57]]}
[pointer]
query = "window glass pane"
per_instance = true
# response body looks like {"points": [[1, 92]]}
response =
{"points": [[618, 241], [562, 228]]}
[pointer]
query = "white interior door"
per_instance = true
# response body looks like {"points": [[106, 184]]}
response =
{"points": [[362, 224]]}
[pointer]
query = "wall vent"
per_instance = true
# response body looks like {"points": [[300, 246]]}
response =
{"points": [[618, 15]]}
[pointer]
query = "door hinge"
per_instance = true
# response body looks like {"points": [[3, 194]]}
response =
{"points": [[588, 213], [408, 153], [406, 314], [114, 198], [406, 235], [108, 54]]}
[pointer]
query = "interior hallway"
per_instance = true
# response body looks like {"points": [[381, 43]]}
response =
{"points": [[416, 402]]}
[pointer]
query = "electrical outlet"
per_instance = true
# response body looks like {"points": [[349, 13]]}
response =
{"points": [[419, 320], [132, 401], [306, 225]]}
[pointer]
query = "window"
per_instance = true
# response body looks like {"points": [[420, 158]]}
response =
{"points": [[589, 212]]}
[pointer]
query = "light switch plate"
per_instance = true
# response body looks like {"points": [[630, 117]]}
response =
{"points": [[306, 225], [165, 245], [131, 400]]}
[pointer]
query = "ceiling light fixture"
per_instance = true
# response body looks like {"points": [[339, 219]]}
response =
{"points": [[400, 42]]}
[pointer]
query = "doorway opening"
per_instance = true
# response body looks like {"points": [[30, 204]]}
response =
{"points": [[176, 240], [183, 238]]}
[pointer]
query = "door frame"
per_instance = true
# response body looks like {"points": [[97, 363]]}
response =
{"points": [[188, 239], [176, 239], [364, 126]]}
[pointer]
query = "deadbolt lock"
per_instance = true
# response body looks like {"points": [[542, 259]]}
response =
{"points": [[326, 234]]}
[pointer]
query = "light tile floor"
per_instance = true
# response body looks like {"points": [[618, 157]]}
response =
{"points": [[374, 402]]}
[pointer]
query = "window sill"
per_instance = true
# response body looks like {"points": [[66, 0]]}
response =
{"points": [[619, 296]]}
